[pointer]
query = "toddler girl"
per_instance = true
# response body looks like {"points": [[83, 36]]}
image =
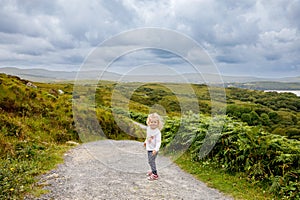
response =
{"points": [[153, 142]]}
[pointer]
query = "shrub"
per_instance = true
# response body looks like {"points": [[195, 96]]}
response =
{"points": [[272, 161]]}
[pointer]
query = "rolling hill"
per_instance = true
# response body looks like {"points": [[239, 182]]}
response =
{"points": [[42, 75]]}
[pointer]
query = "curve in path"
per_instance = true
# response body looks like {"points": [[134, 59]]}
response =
{"points": [[111, 169]]}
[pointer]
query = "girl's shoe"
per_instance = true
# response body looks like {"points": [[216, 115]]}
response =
{"points": [[149, 173], [153, 177]]}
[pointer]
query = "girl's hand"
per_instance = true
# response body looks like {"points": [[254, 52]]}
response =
{"points": [[153, 152], [144, 144]]}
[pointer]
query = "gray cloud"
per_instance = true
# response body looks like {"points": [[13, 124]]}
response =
{"points": [[243, 37]]}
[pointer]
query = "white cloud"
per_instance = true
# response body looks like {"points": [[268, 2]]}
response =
{"points": [[241, 36]]}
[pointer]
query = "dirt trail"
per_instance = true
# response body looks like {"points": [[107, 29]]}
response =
{"points": [[111, 169]]}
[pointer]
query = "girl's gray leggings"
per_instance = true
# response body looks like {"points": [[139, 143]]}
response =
{"points": [[151, 161]]}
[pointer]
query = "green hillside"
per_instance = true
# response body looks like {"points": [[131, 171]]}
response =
{"points": [[36, 123], [259, 138], [277, 113]]}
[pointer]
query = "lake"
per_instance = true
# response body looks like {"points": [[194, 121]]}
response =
{"points": [[297, 92]]}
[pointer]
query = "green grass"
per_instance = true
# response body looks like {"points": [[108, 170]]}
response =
{"points": [[236, 185], [18, 176], [48, 163]]}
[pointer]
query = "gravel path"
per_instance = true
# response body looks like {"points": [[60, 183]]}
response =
{"points": [[111, 169]]}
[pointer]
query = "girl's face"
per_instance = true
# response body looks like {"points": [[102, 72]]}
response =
{"points": [[153, 123]]}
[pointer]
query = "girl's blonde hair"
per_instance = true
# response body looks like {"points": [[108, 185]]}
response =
{"points": [[157, 117]]}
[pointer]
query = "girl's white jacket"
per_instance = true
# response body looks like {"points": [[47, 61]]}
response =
{"points": [[153, 139]]}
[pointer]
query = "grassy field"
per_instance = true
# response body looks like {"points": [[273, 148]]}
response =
{"points": [[37, 121]]}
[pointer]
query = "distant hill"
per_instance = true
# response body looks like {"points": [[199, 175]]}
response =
{"points": [[267, 85], [42, 75]]}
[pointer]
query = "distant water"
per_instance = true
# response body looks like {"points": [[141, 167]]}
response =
{"points": [[297, 92]]}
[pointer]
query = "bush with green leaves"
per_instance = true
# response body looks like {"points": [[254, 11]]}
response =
{"points": [[272, 161]]}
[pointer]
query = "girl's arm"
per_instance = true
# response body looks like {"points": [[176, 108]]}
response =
{"points": [[158, 142]]}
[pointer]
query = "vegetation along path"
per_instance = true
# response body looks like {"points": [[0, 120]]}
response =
{"points": [[110, 169]]}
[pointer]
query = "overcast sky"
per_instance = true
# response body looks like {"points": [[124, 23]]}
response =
{"points": [[255, 38]]}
